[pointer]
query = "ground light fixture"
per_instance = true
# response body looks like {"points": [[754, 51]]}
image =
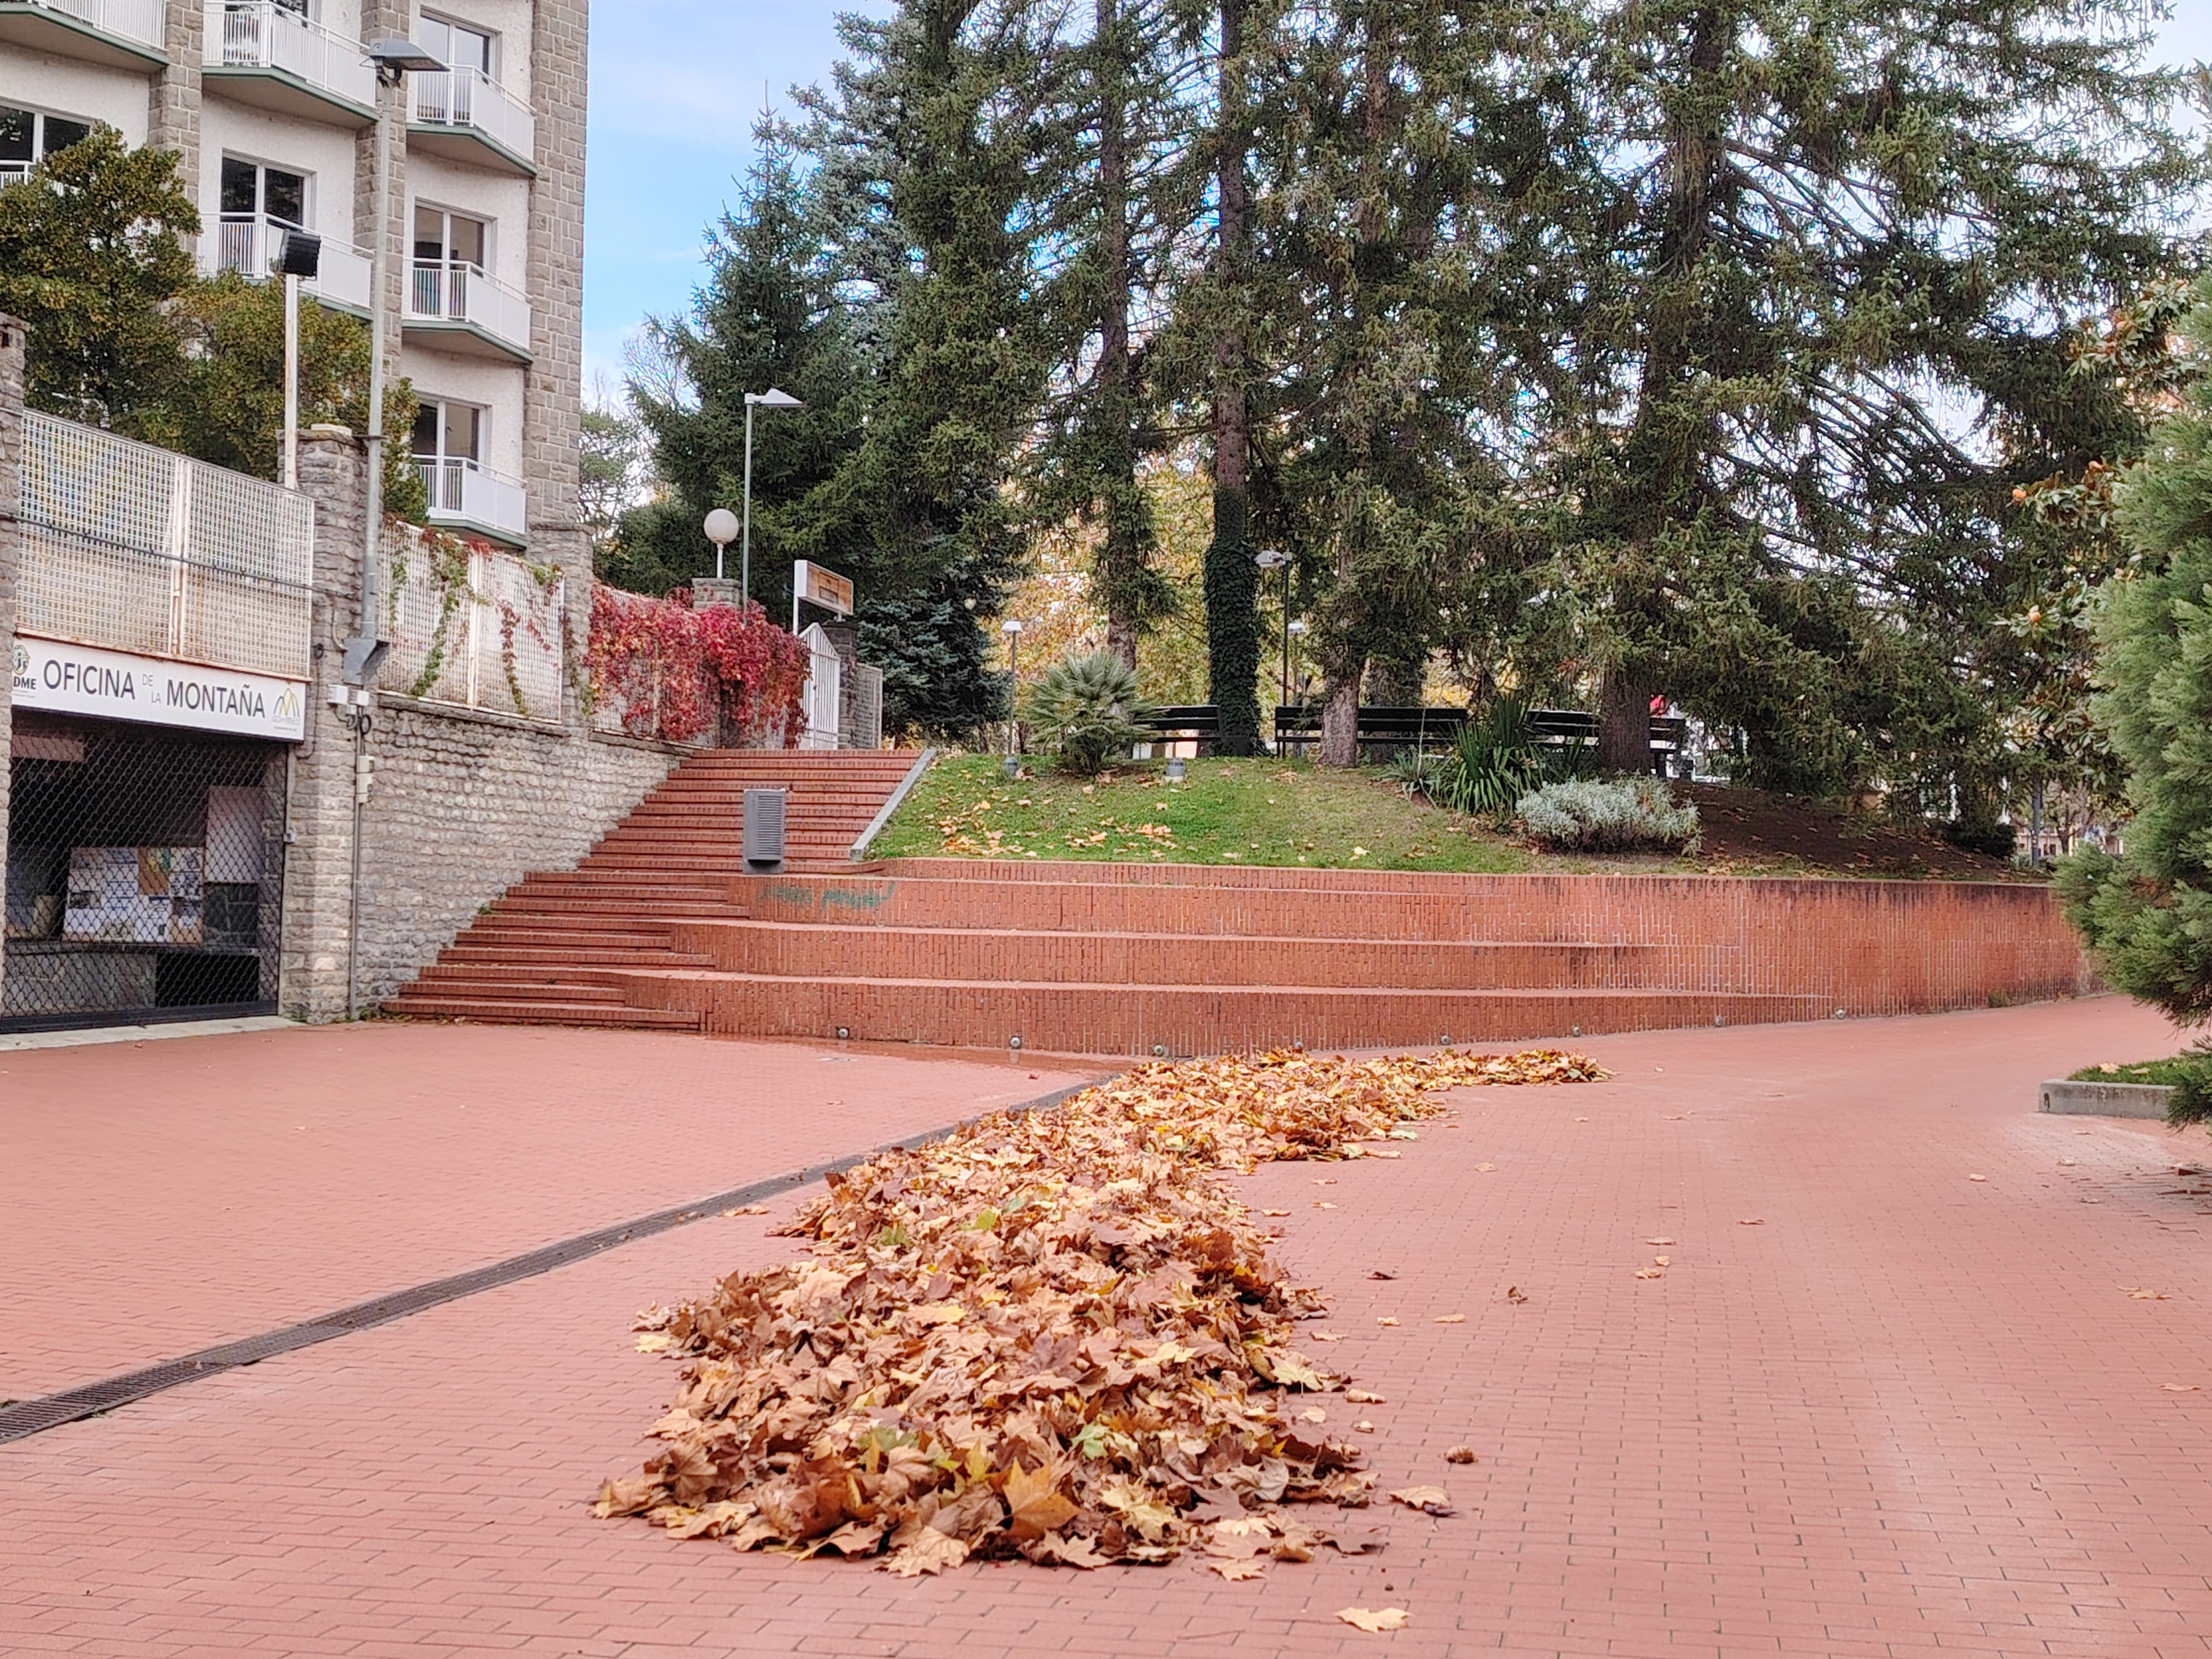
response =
{"points": [[722, 528], [774, 397]]}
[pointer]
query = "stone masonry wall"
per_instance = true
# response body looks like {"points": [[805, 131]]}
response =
{"points": [[11, 459], [173, 114], [463, 804]]}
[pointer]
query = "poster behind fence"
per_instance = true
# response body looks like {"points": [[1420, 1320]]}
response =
{"points": [[134, 896]]}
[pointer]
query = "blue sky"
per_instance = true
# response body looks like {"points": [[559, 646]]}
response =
{"points": [[675, 87]]}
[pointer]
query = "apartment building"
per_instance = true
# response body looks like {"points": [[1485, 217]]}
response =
{"points": [[273, 108], [186, 823]]}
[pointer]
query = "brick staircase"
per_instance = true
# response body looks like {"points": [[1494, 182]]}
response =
{"points": [[566, 948], [660, 926]]}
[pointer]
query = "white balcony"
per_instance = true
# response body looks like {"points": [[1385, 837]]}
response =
{"points": [[473, 499], [456, 306], [125, 33], [466, 116], [249, 243], [262, 53]]}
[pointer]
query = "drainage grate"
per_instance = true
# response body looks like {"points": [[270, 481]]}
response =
{"points": [[29, 1416]]}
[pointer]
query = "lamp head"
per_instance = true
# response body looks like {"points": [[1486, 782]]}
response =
{"points": [[1271, 559], [300, 253], [774, 398], [396, 58], [721, 526], [1009, 626], [1298, 628]]}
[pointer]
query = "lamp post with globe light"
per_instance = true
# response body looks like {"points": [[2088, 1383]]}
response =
{"points": [[1273, 560], [1011, 628], [722, 528]]}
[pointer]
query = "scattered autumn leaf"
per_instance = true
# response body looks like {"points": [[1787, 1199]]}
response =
{"points": [[1319, 1205], [1651, 1272], [1274, 1212], [1659, 1240], [2178, 1387], [1485, 1168], [1514, 1293], [1385, 1319], [1460, 1455], [1379, 1274], [1977, 1177], [1662, 1260], [1451, 1319], [1364, 1397], [748, 1209], [1364, 1427], [1430, 1500], [1251, 1567], [1375, 1622], [1753, 1221]]}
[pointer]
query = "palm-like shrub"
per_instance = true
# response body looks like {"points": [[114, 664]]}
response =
{"points": [[1088, 711], [1494, 763]]}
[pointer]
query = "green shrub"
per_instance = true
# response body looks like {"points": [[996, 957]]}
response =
{"points": [[2146, 915], [1994, 840], [1088, 711], [1623, 815]]}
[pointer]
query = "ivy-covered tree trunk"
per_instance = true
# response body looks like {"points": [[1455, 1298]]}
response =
{"points": [[1232, 620], [1340, 716]]}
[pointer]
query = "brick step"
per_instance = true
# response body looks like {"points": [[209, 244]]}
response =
{"points": [[522, 957], [506, 1012], [1136, 1020], [986, 955], [465, 981], [514, 904], [1498, 914]]}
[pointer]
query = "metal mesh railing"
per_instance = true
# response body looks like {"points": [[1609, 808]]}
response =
{"points": [[134, 549], [144, 874], [860, 722], [475, 628]]}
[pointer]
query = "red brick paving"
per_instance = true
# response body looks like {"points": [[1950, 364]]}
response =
{"points": [[1910, 1414], [156, 1198]]}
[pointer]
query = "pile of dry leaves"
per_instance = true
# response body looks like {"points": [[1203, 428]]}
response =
{"points": [[1052, 1335]]}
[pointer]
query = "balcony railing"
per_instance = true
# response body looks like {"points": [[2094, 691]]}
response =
{"points": [[469, 100], [456, 291], [262, 34], [250, 242], [132, 548], [496, 644], [141, 21], [466, 496]]}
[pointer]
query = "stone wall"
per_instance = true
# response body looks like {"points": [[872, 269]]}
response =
{"points": [[462, 804]]}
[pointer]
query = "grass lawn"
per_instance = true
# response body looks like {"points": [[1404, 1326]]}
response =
{"points": [[1265, 811]]}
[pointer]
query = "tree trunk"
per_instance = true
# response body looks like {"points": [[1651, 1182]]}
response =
{"points": [[1120, 561], [1624, 724], [1232, 621], [1340, 719]]}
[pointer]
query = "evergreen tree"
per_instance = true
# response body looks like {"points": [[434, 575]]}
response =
{"points": [[2148, 914], [1818, 263]]}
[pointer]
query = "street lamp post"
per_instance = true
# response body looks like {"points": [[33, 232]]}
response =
{"points": [[1278, 561], [1011, 628], [774, 397]]}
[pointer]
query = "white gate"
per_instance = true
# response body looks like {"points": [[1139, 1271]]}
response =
{"points": [[824, 685]]}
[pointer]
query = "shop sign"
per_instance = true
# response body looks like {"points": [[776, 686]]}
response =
{"points": [[118, 685], [823, 587]]}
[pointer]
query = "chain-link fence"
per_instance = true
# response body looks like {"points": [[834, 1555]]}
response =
{"points": [[144, 874]]}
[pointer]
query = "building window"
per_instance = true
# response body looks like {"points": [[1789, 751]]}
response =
{"points": [[27, 136], [257, 192], [458, 45], [451, 239]]}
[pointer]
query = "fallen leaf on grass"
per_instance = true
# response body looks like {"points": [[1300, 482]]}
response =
{"points": [[1430, 1500], [1381, 1619], [1460, 1455], [1364, 1397]]}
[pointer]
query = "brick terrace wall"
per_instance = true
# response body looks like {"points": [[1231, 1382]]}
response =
{"points": [[1865, 947], [464, 804]]}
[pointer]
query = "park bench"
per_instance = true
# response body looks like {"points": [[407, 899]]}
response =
{"points": [[1299, 724]]}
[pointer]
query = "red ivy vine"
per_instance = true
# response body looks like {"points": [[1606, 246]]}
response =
{"points": [[672, 672]]}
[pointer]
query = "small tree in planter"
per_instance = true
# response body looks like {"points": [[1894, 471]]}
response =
{"points": [[2146, 915], [1089, 711]]}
